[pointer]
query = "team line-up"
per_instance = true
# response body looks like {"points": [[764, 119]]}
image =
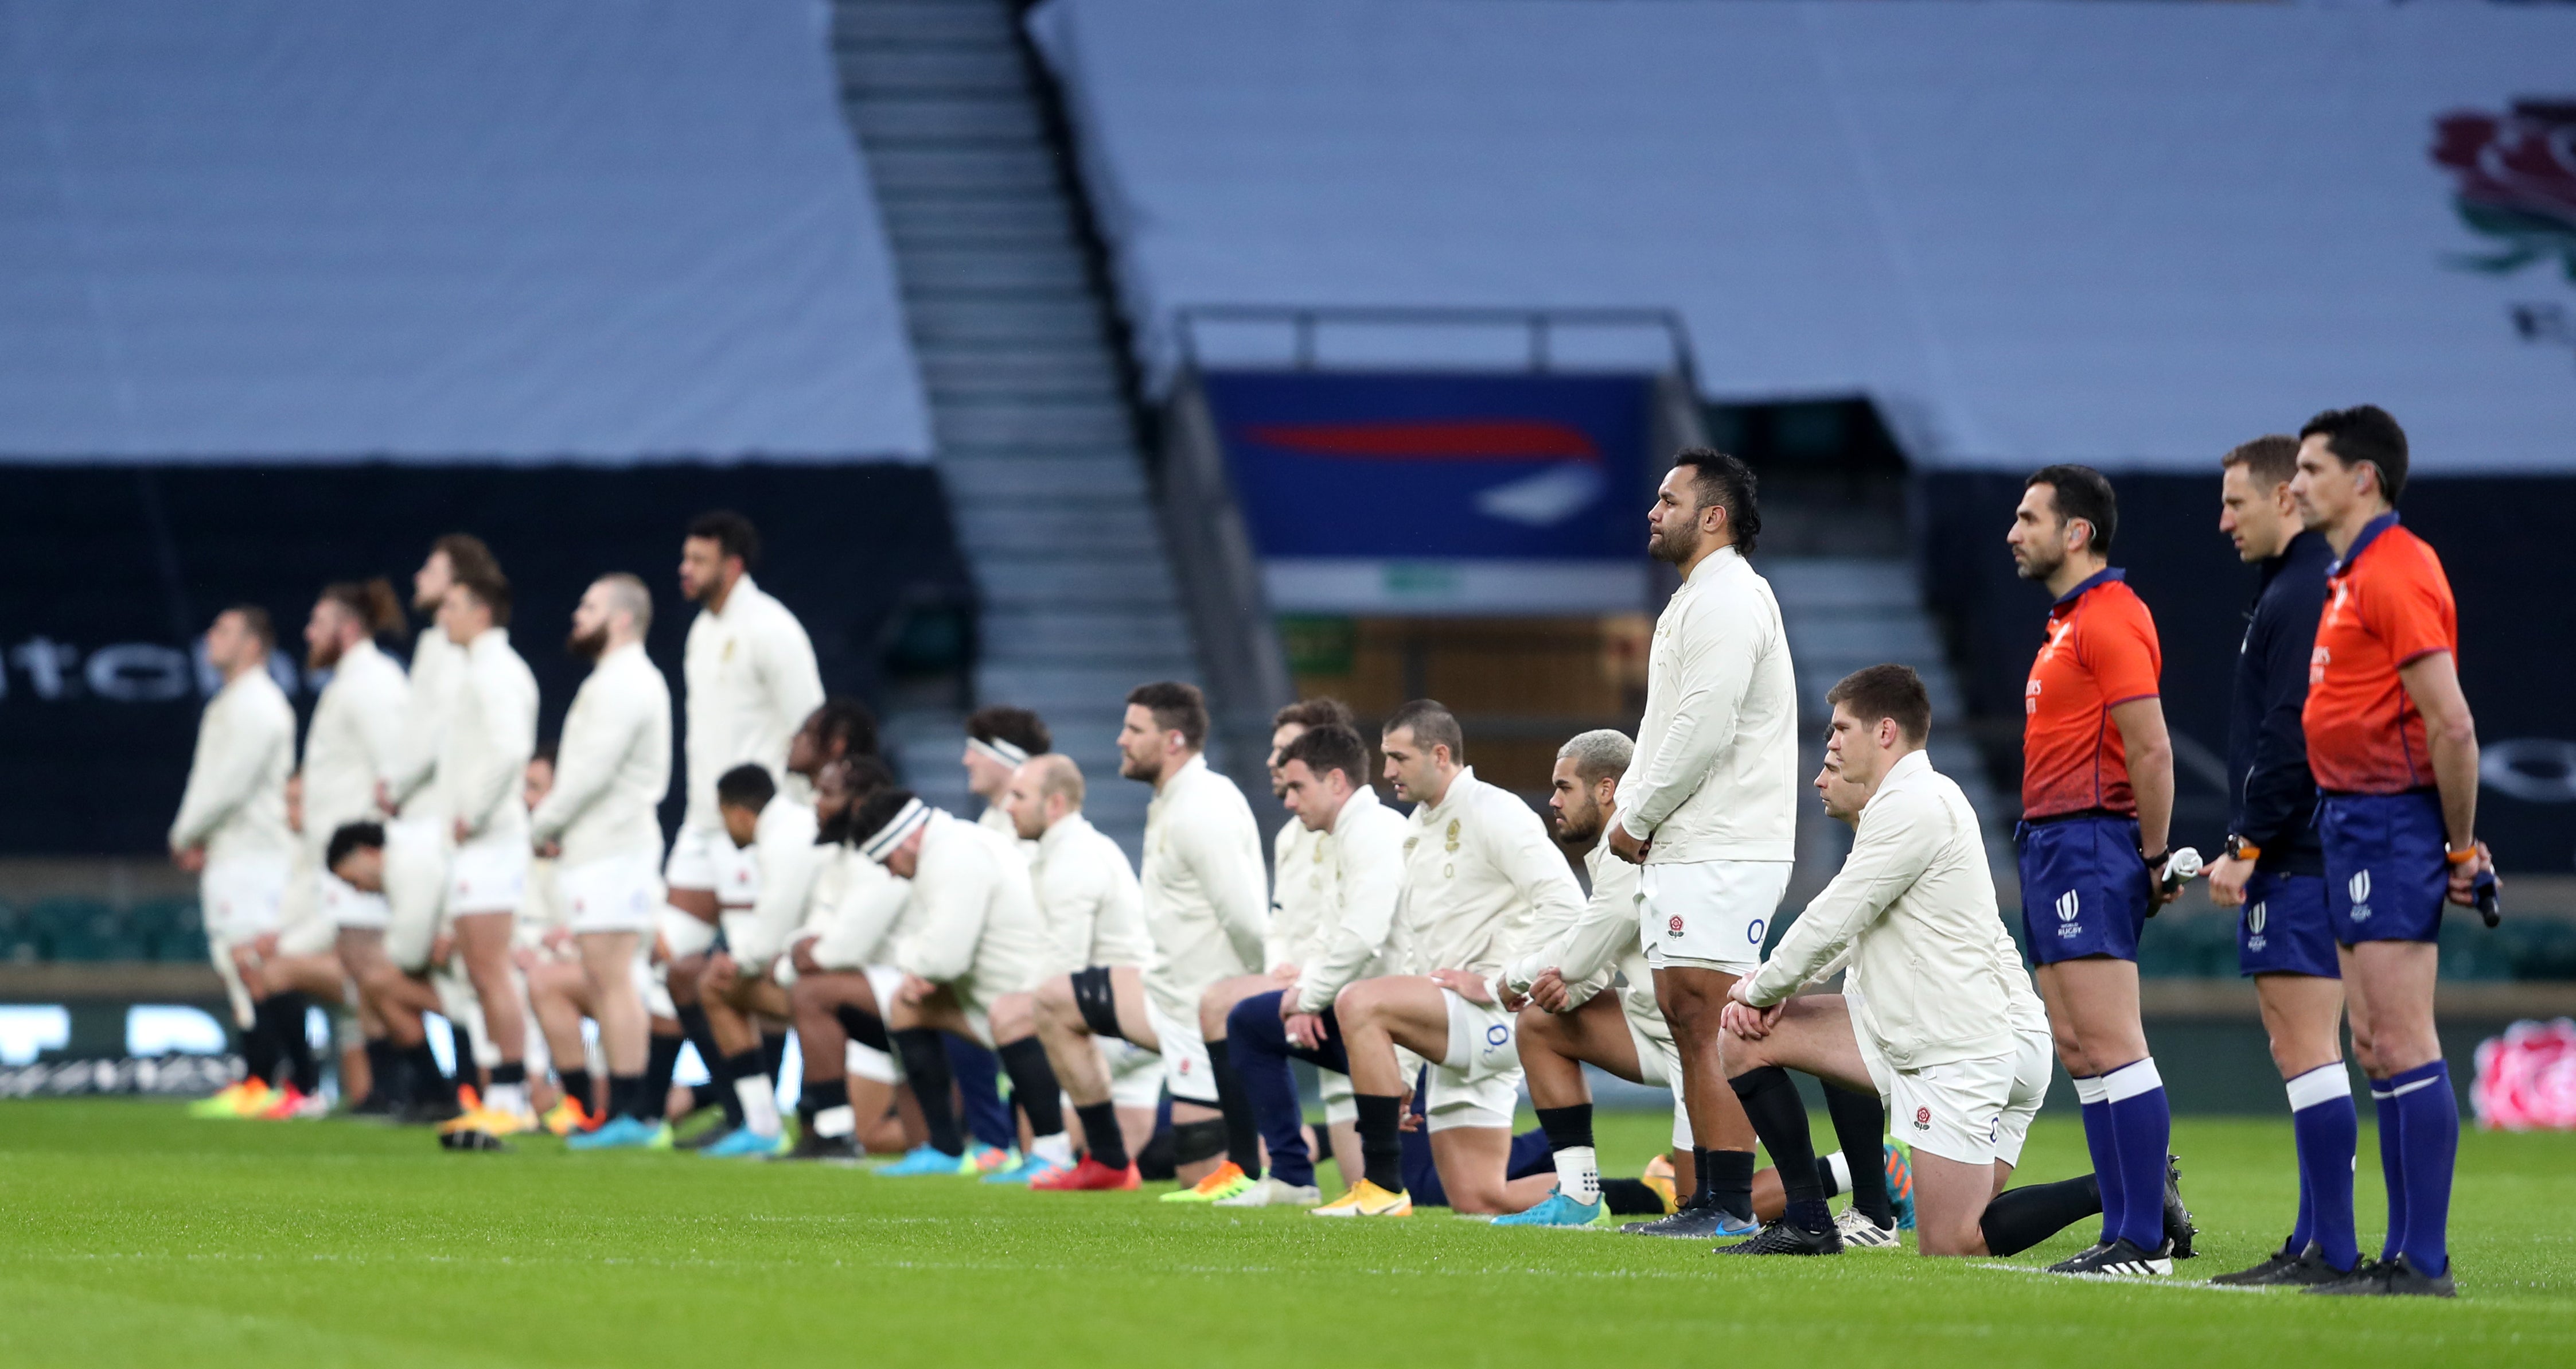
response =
{"points": [[426, 857]]}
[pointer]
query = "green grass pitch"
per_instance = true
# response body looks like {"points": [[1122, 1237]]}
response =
{"points": [[130, 1235]]}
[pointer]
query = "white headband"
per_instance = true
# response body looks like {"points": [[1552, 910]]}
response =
{"points": [[999, 750], [910, 819]]}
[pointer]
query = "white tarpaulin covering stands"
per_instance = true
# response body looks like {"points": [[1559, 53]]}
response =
{"points": [[581, 230], [2130, 234]]}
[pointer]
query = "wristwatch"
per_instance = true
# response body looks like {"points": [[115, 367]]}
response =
{"points": [[2238, 848]]}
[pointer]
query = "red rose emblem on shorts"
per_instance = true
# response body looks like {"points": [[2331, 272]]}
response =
{"points": [[1675, 926], [2514, 176], [1923, 1117]]}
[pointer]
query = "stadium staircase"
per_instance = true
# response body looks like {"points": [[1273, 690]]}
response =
{"points": [[1016, 337], [1846, 612]]}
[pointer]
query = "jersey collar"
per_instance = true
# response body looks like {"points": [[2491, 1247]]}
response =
{"points": [[2369, 533], [2090, 583]]}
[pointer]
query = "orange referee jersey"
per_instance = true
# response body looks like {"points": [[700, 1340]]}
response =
{"points": [[2101, 652], [2387, 604]]}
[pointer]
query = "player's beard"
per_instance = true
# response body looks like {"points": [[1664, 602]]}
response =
{"points": [[1579, 834], [1131, 768], [589, 646], [1674, 545], [323, 655], [2037, 564]]}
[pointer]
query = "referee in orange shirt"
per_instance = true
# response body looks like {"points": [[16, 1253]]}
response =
{"points": [[2097, 800], [2395, 754]]}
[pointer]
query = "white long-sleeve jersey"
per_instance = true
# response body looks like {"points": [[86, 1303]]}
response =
{"points": [[782, 844], [437, 665], [869, 910], [1297, 899], [1715, 775], [1094, 905], [1479, 874], [1206, 893], [355, 741], [235, 803], [491, 733], [751, 682], [976, 927], [1913, 909], [1362, 878], [613, 765], [1594, 944]]}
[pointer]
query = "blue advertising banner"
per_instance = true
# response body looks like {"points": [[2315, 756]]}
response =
{"points": [[1441, 493]]}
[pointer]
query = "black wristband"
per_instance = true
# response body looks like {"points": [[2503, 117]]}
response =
{"points": [[2158, 858]]}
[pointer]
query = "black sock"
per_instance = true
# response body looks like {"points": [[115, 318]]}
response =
{"points": [[661, 1056], [693, 1024], [510, 1072], [1567, 1128], [864, 1027], [429, 1084], [925, 1068], [1381, 1139], [629, 1095], [2023, 1217], [1242, 1129], [381, 1065], [576, 1086], [1319, 1142], [287, 1015], [1779, 1117], [1033, 1085], [744, 1065], [1860, 1128], [1631, 1198], [259, 1048], [1726, 1176], [773, 1054], [1101, 1136], [819, 1096]]}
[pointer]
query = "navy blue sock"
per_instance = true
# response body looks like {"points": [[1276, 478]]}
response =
{"points": [[2392, 1165], [2328, 1128], [978, 1072], [2143, 1123], [1257, 1048], [2103, 1143], [2429, 1114]]}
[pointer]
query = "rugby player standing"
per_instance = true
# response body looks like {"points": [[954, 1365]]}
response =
{"points": [[1709, 806], [2395, 753]]}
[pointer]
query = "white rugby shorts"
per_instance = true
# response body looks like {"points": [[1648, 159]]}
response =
{"points": [[488, 875], [1975, 1112], [683, 933], [619, 893], [346, 905], [700, 857], [1135, 1073], [241, 897], [1187, 1071], [1709, 914], [1478, 1083]]}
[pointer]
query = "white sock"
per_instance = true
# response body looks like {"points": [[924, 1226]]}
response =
{"points": [[507, 1098], [1839, 1170], [836, 1122], [1055, 1150], [759, 1104], [1578, 1174]]}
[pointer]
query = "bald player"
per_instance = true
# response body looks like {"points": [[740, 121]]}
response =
{"points": [[600, 822]]}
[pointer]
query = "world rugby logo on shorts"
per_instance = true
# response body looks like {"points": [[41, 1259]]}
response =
{"points": [[1674, 927], [2359, 887], [2069, 905], [2254, 940]]}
